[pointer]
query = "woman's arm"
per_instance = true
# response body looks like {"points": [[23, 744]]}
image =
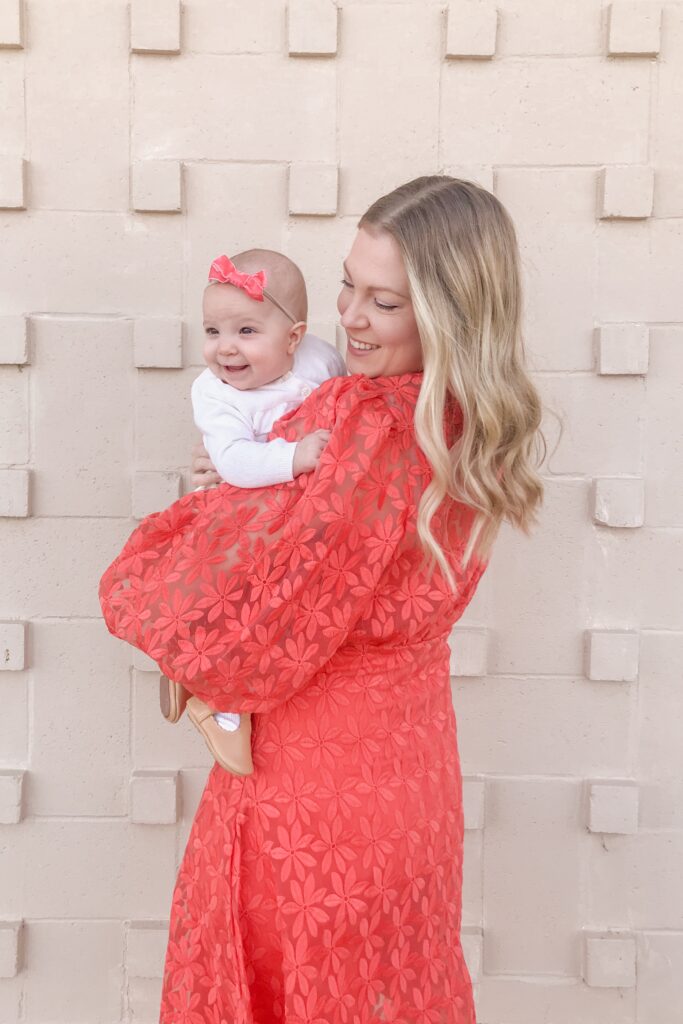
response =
{"points": [[243, 596]]}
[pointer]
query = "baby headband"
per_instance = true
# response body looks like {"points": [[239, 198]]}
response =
{"points": [[224, 271]]}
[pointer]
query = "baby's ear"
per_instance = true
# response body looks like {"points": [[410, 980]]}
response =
{"points": [[296, 334]]}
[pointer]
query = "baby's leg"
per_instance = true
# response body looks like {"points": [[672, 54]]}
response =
{"points": [[227, 720]]}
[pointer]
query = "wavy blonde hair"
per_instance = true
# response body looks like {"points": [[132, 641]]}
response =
{"points": [[460, 252]]}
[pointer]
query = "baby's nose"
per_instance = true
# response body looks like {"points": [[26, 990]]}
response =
{"points": [[226, 344]]}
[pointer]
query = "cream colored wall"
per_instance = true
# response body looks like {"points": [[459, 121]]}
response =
{"points": [[132, 154]]}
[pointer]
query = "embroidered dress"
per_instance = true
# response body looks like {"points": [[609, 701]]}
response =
{"points": [[326, 887]]}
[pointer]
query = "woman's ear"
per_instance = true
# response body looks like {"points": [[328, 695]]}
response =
{"points": [[296, 333]]}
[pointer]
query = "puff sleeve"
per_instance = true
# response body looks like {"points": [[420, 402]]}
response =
{"points": [[242, 596]]}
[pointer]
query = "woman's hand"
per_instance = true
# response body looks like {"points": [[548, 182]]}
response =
{"points": [[203, 471]]}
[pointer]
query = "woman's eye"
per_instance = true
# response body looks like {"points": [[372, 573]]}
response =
{"points": [[383, 305], [347, 284]]}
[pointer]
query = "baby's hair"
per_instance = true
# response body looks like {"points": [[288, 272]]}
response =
{"points": [[284, 279], [460, 252]]}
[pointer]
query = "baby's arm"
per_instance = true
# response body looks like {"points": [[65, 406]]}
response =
{"points": [[238, 457]]}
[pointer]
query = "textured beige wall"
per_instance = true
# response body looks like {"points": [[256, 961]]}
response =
{"points": [[136, 145]]}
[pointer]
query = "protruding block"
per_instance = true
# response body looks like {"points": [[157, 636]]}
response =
{"points": [[11, 24], [158, 342], [14, 493], [612, 654], [471, 29], [613, 807], [11, 796], [622, 348], [469, 652], [156, 186], [472, 942], [619, 501], [313, 189], [12, 646], [473, 800], [153, 491], [13, 341], [12, 182], [146, 948], [10, 948], [155, 26], [610, 961], [626, 193], [634, 29], [154, 797], [312, 28]]}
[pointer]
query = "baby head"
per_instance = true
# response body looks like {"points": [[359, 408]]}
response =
{"points": [[255, 308]]}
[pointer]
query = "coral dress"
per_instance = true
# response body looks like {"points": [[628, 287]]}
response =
{"points": [[326, 887]]}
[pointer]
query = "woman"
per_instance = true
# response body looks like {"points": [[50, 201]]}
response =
{"points": [[326, 887]]}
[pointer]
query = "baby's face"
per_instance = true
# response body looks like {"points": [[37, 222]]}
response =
{"points": [[246, 343]]}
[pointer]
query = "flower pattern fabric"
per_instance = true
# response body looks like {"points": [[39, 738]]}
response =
{"points": [[326, 887]]}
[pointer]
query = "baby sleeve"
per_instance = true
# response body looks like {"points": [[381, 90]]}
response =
{"points": [[229, 439]]}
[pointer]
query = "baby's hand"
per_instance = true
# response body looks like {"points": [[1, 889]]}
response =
{"points": [[308, 451]]}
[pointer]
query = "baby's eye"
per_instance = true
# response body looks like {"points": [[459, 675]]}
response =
{"points": [[247, 330], [383, 305], [210, 330]]}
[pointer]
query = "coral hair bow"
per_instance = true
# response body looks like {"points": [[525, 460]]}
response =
{"points": [[224, 271]]}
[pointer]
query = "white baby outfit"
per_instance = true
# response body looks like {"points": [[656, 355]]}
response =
{"points": [[235, 424]]}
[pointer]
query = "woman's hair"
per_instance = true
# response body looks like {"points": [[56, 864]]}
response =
{"points": [[460, 252]]}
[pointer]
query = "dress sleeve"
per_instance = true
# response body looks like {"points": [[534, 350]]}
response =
{"points": [[243, 596]]}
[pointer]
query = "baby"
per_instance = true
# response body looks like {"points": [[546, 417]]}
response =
{"points": [[261, 363]]}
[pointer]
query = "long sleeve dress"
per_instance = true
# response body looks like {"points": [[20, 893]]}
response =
{"points": [[326, 887]]}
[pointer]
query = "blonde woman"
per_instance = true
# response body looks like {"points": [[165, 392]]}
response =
{"points": [[326, 887]]}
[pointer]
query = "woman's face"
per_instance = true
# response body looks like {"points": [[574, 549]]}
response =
{"points": [[376, 309]]}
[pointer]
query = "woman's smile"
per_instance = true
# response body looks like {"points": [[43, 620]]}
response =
{"points": [[361, 347]]}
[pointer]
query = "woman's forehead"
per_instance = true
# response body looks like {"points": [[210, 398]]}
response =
{"points": [[376, 259]]}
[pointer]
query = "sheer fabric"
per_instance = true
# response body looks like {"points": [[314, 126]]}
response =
{"points": [[326, 887]]}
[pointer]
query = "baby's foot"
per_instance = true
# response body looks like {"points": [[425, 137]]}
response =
{"points": [[227, 720], [232, 749], [172, 699]]}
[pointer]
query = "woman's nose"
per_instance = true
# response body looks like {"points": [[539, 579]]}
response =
{"points": [[353, 316]]}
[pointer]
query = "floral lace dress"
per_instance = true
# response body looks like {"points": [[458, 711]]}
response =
{"points": [[326, 887]]}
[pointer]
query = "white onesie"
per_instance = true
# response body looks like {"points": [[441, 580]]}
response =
{"points": [[235, 423]]}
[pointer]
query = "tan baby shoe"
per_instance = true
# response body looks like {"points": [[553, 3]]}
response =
{"points": [[232, 750], [173, 698]]}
